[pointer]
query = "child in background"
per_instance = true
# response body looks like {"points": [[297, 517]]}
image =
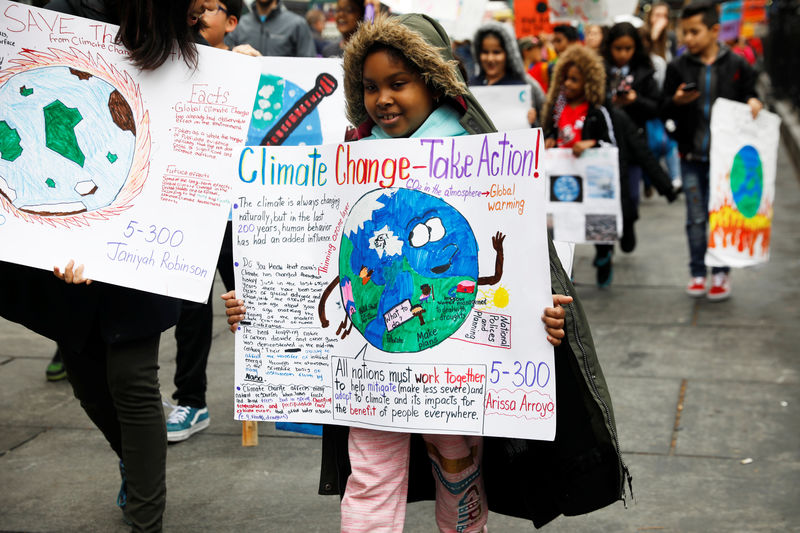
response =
{"points": [[401, 81], [709, 70], [193, 331], [595, 37], [632, 88], [575, 118], [531, 50], [500, 63]]}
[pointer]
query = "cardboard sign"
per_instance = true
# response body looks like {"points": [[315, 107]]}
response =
{"points": [[396, 284], [744, 154], [583, 195]]}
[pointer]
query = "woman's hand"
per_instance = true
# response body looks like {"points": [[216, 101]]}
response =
{"points": [[532, 116], [550, 143], [246, 49], [234, 309], [69, 275], [580, 146], [553, 319]]}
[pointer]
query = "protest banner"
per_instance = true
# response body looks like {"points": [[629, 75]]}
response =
{"points": [[744, 154], [583, 195], [126, 172], [395, 284], [730, 20], [460, 18], [506, 105], [585, 11], [531, 18]]}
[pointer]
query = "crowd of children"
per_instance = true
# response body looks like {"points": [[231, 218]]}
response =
{"points": [[401, 80]]}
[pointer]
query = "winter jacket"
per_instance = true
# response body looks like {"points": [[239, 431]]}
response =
{"points": [[68, 314], [729, 76], [516, 74], [648, 95], [582, 469], [283, 33]]}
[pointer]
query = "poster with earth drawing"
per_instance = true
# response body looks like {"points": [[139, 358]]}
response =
{"points": [[744, 155], [395, 284]]}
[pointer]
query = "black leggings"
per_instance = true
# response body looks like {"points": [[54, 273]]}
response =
{"points": [[117, 385]]}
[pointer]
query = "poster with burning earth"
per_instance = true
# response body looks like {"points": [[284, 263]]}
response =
{"points": [[744, 155]]}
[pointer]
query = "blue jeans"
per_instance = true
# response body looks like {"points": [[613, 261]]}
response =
{"points": [[695, 189]]}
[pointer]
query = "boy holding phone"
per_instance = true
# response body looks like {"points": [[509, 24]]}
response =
{"points": [[709, 70]]}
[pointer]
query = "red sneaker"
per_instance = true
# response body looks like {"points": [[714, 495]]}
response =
{"points": [[720, 287], [696, 287]]}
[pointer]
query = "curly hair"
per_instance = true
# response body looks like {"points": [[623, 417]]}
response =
{"points": [[594, 74]]}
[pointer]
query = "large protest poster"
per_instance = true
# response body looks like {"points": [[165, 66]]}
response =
{"points": [[744, 155], [730, 20], [531, 17], [506, 105], [460, 18], [396, 284], [126, 172], [583, 195], [585, 11]]}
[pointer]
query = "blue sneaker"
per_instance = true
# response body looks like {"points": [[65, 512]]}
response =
{"points": [[184, 421], [122, 496]]}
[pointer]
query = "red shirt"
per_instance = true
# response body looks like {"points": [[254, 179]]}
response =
{"points": [[570, 124]]}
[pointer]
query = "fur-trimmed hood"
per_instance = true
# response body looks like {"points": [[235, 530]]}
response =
{"points": [[514, 64], [594, 73], [421, 39]]}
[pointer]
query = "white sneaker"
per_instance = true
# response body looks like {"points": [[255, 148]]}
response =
{"points": [[720, 287], [696, 287]]}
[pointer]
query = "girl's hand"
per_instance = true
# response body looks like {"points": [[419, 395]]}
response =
{"points": [[532, 117], [234, 309], [553, 319], [623, 99], [246, 49], [755, 106], [71, 276], [550, 143], [580, 146], [682, 97]]}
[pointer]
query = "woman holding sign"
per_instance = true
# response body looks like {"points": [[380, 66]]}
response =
{"points": [[500, 63], [109, 335]]}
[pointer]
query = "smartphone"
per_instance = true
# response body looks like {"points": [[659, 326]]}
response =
{"points": [[691, 86]]}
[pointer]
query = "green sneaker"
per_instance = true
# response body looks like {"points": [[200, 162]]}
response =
{"points": [[55, 370]]}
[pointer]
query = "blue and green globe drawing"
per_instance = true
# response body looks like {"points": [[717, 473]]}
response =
{"points": [[408, 269], [274, 97], [747, 181], [67, 141]]}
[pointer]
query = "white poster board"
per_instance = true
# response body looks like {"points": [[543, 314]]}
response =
{"points": [[396, 284], [744, 155], [585, 11], [506, 105], [460, 18], [583, 195], [123, 171]]}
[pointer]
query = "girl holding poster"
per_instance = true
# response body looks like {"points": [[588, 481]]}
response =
{"points": [[401, 81]]}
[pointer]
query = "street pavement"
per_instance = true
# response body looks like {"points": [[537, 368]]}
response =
{"points": [[706, 398]]}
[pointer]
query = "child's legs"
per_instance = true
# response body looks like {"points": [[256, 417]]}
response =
{"points": [[673, 159], [695, 188], [132, 373], [375, 497], [634, 180], [460, 496]]}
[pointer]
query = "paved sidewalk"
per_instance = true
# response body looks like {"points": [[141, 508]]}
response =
{"points": [[706, 397]]}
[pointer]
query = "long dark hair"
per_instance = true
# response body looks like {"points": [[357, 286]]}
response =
{"points": [[626, 29], [151, 28]]}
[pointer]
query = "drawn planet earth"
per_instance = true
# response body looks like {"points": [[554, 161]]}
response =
{"points": [[67, 141], [566, 188], [274, 97], [408, 269], [747, 181]]}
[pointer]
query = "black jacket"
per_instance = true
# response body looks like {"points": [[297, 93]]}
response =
{"points": [[728, 77], [68, 314], [648, 95]]}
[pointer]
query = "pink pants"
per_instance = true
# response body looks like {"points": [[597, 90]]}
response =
{"points": [[375, 497]]}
